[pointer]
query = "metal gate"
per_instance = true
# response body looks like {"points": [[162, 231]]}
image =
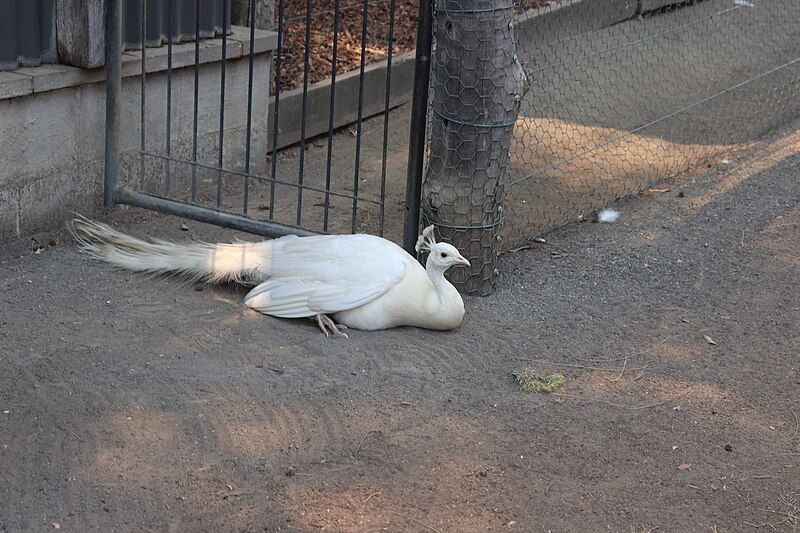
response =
{"points": [[208, 105]]}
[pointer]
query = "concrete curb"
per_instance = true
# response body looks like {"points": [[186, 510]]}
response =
{"points": [[346, 103]]}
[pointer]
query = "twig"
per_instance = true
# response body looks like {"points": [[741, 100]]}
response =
{"points": [[612, 404], [621, 372], [370, 497], [785, 454], [653, 347], [572, 365], [367, 434], [423, 524], [796, 425], [365, 391], [650, 349], [519, 249]]}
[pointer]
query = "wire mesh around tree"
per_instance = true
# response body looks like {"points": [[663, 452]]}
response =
{"points": [[623, 93], [477, 86]]}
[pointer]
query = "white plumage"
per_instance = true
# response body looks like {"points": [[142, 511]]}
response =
{"points": [[363, 281]]}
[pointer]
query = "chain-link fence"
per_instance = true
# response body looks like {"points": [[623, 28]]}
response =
{"points": [[617, 94]]}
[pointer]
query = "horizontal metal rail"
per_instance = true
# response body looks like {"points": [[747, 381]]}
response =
{"points": [[207, 215], [261, 178]]}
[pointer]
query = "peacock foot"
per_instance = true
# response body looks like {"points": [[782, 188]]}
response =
{"points": [[328, 326]]}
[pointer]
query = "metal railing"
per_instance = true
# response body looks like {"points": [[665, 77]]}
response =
{"points": [[223, 163]]}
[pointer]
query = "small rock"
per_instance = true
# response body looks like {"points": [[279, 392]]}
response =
{"points": [[728, 448], [184, 227], [681, 194], [53, 242], [290, 472], [198, 287]]}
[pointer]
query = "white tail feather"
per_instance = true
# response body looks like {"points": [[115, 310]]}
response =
{"points": [[197, 261]]}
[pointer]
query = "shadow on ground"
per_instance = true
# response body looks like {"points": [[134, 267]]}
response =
{"points": [[131, 403]]}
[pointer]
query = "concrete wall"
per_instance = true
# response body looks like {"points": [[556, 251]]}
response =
{"points": [[52, 128]]}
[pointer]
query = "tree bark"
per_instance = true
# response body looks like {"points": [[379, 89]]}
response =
{"points": [[478, 84]]}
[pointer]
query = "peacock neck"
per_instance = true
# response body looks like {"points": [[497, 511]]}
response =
{"points": [[445, 306], [436, 275]]}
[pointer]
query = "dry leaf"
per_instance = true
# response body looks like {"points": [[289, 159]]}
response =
{"points": [[684, 466], [709, 340]]}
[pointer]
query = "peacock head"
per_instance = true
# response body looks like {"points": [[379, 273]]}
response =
{"points": [[440, 254]]}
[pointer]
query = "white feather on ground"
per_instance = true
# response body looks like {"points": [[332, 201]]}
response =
{"points": [[608, 215]]}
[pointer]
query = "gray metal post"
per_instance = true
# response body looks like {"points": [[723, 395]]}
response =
{"points": [[113, 88], [419, 115]]}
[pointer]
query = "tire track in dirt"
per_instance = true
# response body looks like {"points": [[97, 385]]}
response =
{"points": [[276, 424], [60, 448]]}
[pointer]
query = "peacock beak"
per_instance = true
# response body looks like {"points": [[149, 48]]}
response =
{"points": [[461, 261]]}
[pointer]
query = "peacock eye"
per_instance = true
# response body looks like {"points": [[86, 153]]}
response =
{"points": [[444, 254]]}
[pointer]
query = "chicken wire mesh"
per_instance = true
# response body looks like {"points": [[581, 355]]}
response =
{"points": [[622, 94]]}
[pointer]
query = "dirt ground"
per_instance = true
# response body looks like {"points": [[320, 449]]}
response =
{"points": [[130, 403]]}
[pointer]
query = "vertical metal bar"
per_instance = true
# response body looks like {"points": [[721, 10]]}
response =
{"points": [[277, 107], [249, 101], [113, 87], [331, 106], [381, 218], [309, 5], [196, 96], [142, 145], [222, 99], [167, 149], [419, 114], [357, 173]]}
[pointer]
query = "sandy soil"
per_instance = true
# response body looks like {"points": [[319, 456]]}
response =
{"points": [[130, 403]]}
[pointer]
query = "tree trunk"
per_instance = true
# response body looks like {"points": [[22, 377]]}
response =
{"points": [[478, 84]]}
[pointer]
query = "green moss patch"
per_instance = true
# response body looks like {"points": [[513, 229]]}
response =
{"points": [[530, 381]]}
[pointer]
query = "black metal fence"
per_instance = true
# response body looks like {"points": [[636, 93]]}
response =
{"points": [[209, 128], [540, 113], [621, 94], [27, 33]]}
